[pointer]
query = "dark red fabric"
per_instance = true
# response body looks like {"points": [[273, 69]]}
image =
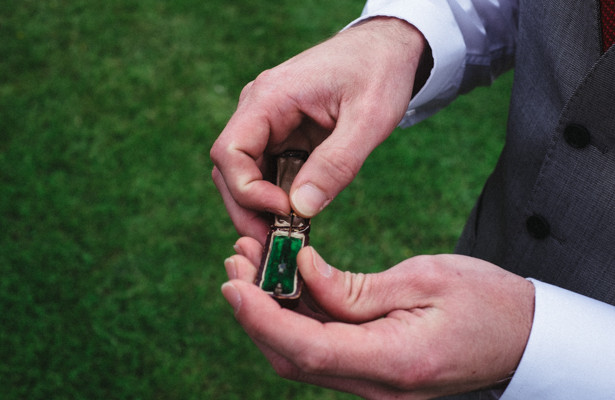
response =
{"points": [[607, 13]]}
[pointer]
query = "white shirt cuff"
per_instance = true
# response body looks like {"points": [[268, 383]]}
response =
{"points": [[571, 349]]}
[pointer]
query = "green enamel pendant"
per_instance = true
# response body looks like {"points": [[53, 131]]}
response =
{"points": [[278, 274]]}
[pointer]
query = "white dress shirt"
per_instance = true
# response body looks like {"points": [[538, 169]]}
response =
{"points": [[571, 350], [471, 44]]}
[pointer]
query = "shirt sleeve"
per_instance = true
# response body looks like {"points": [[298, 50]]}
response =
{"points": [[570, 353], [472, 41]]}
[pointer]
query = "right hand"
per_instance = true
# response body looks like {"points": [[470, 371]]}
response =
{"points": [[427, 327], [337, 100]]}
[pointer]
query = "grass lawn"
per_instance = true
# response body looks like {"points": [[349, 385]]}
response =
{"points": [[112, 235]]}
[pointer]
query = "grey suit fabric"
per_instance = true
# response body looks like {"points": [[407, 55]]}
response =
{"points": [[548, 209]]}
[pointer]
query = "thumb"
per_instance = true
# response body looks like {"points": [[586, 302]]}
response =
{"points": [[326, 173], [334, 163], [351, 297]]}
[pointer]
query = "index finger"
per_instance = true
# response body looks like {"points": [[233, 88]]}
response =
{"points": [[239, 156], [266, 119]]}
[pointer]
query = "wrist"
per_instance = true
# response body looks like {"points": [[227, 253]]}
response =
{"points": [[412, 46], [408, 42]]}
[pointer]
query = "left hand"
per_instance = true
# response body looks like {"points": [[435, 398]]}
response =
{"points": [[428, 327], [337, 100]]}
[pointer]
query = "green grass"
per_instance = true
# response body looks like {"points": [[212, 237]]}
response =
{"points": [[112, 235]]}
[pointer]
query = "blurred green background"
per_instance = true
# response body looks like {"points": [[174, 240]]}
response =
{"points": [[112, 235]]}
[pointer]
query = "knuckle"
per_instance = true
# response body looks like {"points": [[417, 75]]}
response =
{"points": [[285, 370], [263, 83], [218, 151], [355, 285], [430, 273], [431, 267], [314, 360]]}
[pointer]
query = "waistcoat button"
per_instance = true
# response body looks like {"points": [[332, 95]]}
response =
{"points": [[577, 136], [538, 226]]}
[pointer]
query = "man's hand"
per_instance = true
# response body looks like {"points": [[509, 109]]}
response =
{"points": [[430, 326], [338, 100]]}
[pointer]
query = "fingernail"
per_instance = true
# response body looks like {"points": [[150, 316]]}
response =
{"points": [[231, 268], [320, 265], [237, 248], [231, 294], [275, 211], [308, 200]]}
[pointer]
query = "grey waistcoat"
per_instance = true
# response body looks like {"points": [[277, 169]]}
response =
{"points": [[548, 209]]}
